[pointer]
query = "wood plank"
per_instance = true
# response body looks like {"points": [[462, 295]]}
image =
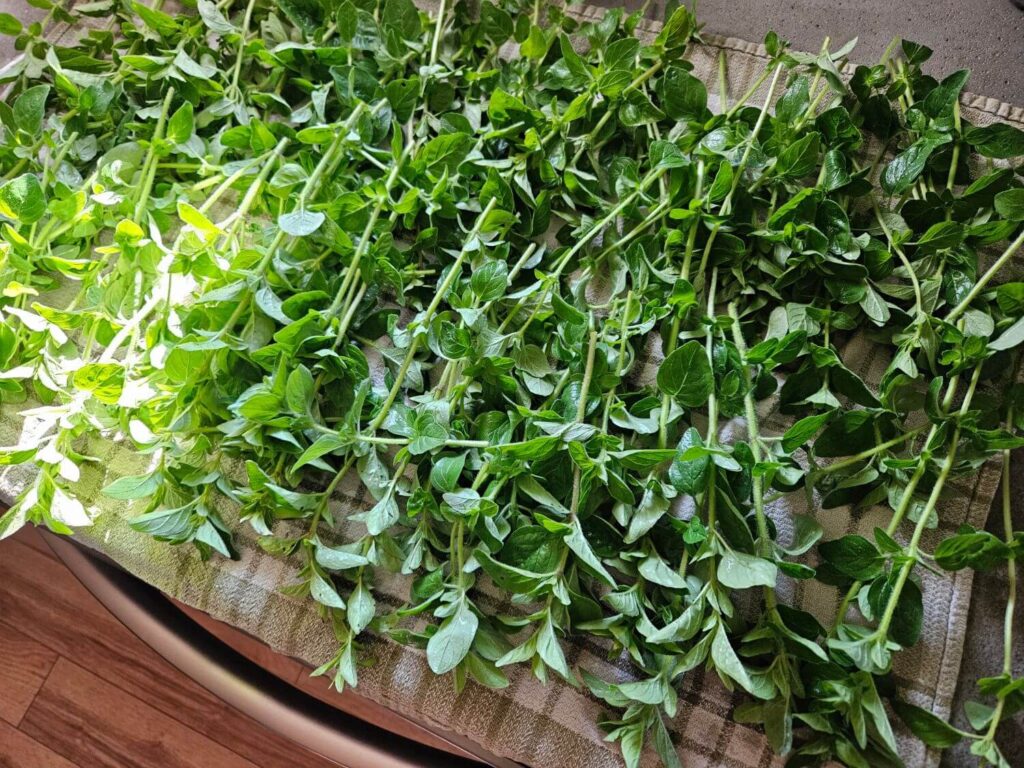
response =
{"points": [[41, 593], [18, 750], [34, 538], [26, 663], [85, 718]]}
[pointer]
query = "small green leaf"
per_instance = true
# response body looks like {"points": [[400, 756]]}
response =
{"points": [[803, 430], [727, 662], [134, 486], [1010, 338], [997, 140], [30, 108], [449, 645], [181, 124], [444, 475], [323, 592], [488, 282], [300, 390], [338, 559], [361, 608], [932, 730], [22, 199], [739, 570], [9, 25], [427, 435], [104, 380], [324, 445], [854, 556], [300, 222], [577, 542], [686, 375], [1010, 204]]}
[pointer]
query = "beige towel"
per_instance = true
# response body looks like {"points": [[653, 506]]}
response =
{"points": [[553, 726]]}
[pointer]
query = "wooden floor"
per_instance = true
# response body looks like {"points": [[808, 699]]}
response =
{"points": [[78, 689]]}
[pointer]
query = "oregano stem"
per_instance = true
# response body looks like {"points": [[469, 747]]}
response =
{"points": [[933, 499], [753, 432], [982, 283]]}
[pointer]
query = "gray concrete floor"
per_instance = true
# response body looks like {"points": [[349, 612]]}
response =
{"points": [[985, 36]]}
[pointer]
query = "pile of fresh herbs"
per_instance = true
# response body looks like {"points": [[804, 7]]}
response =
{"points": [[275, 245]]}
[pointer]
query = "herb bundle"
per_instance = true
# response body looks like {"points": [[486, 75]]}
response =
{"points": [[282, 246]]}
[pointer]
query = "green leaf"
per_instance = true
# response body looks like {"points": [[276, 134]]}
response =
{"points": [[794, 102], [209, 534], [853, 556], [657, 571], [676, 32], [932, 730], [300, 222], [536, 44], [9, 456], [445, 152], [907, 166], [404, 94], [449, 645], [403, 17], [803, 430], [997, 140], [22, 199], [338, 559], [1010, 298], [686, 375], [382, 515], [30, 108], [324, 445], [510, 577], [1010, 338], [176, 525], [104, 380], [444, 475], [361, 608], [1010, 204], [644, 458], [800, 158], [944, 95], [195, 219], [550, 650], [689, 475], [427, 435], [979, 550], [532, 548], [323, 592], [727, 662], [488, 282], [577, 542], [665, 155], [909, 616], [683, 96], [181, 124], [134, 486], [739, 570], [299, 390], [189, 66], [214, 19], [9, 25]]}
